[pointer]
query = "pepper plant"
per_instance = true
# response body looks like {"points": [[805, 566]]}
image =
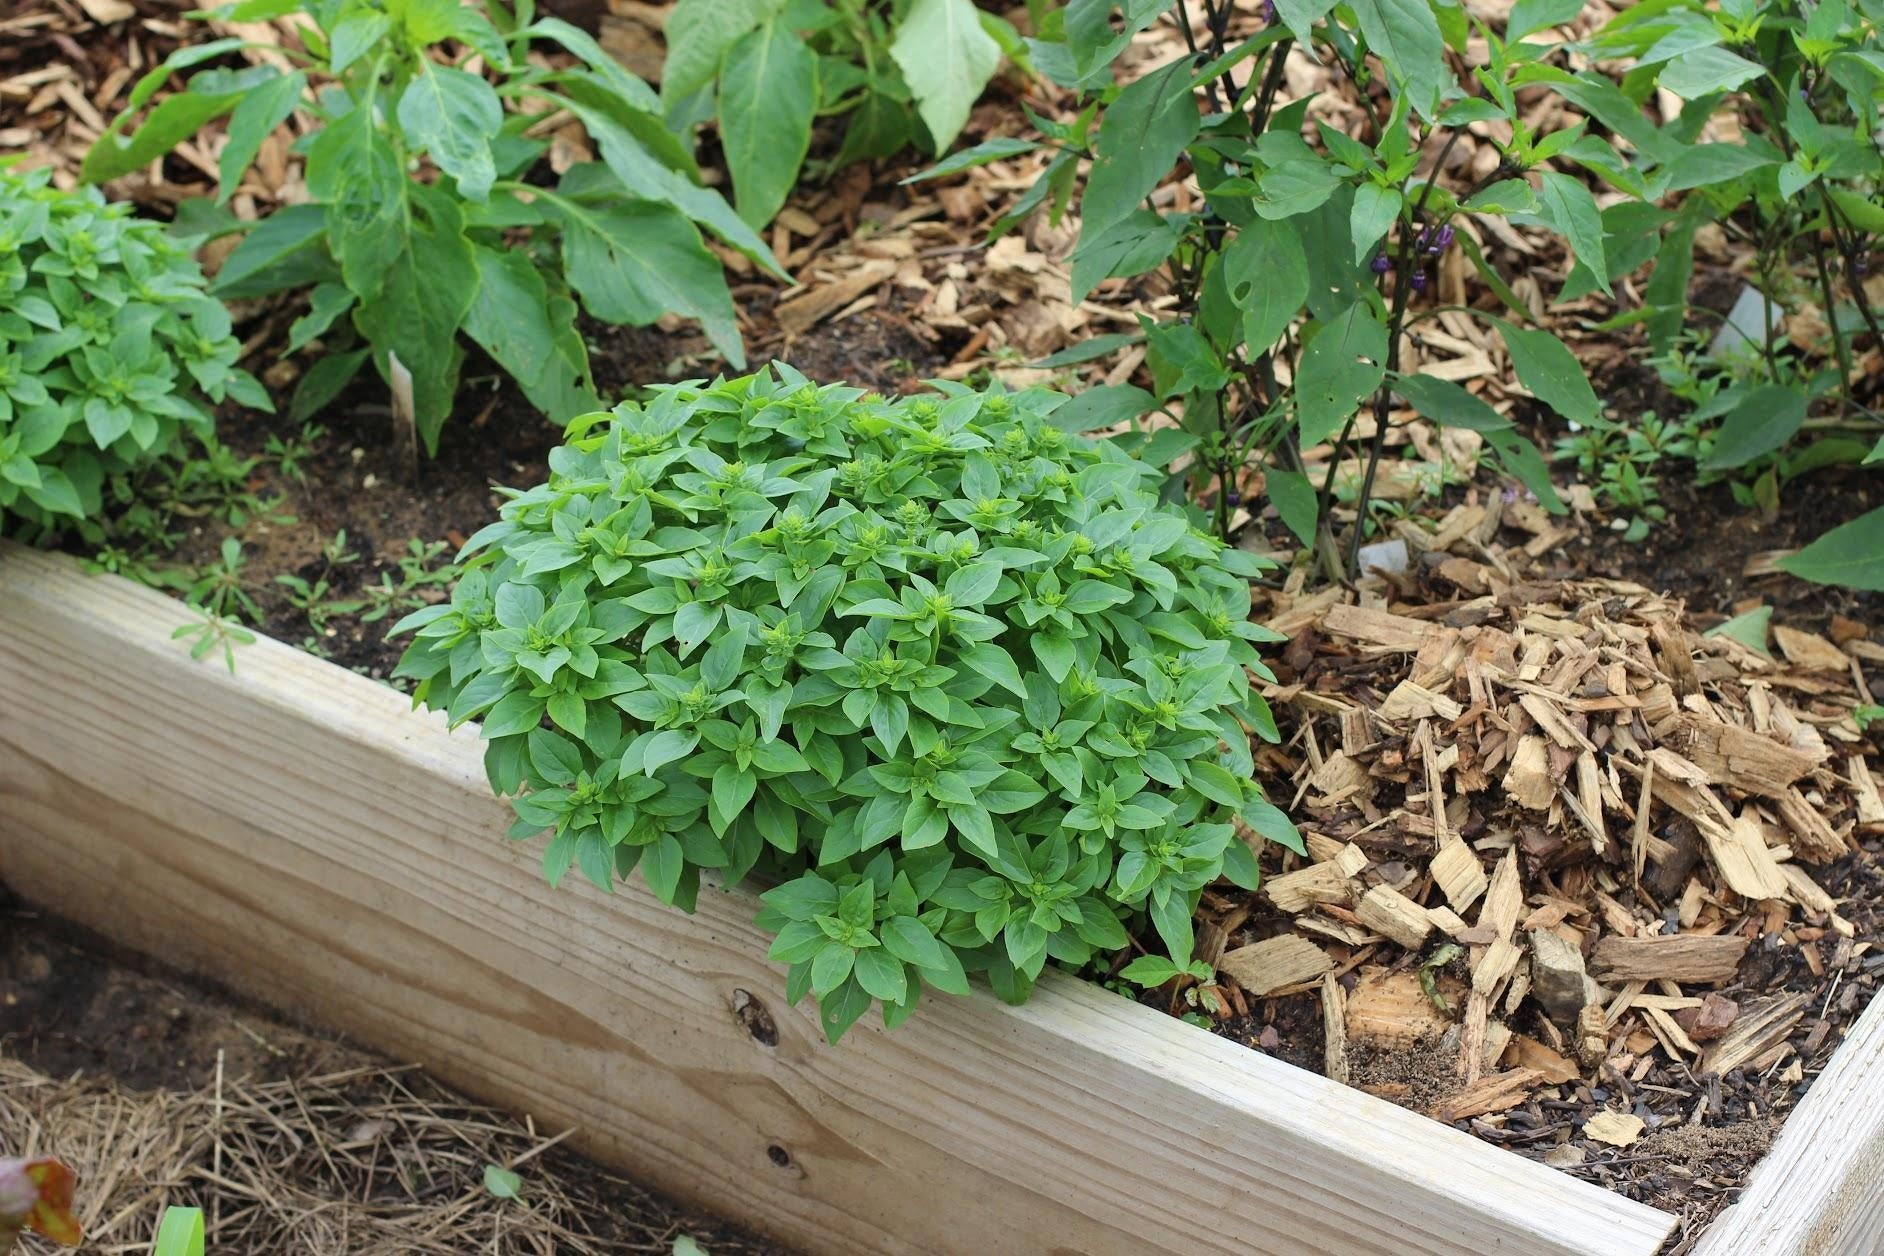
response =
{"points": [[949, 677], [111, 353], [1311, 253], [401, 256], [900, 72], [1798, 177]]}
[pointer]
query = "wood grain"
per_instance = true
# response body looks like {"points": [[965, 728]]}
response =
{"points": [[299, 833], [1670, 956], [1820, 1190]]}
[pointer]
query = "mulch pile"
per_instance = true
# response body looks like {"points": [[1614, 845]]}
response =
{"points": [[1580, 879]]}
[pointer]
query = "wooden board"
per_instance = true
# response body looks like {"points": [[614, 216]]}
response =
{"points": [[299, 833], [1820, 1190]]}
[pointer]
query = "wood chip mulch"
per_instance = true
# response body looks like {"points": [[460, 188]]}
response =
{"points": [[1580, 879]]}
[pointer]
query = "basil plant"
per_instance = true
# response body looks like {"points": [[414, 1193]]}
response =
{"points": [[111, 354], [948, 677]]}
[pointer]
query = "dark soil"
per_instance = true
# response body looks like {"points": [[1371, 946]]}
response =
{"points": [[71, 1007], [1701, 551]]}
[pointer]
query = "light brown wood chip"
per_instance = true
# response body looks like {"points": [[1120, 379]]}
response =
{"points": [[1391, 1008], [1810, 651], [1361, 623], [1528, 779], [1618, 1129], [798, 314], [1296, 892], [1395, 916], [1284, 960], [1524, 1051], [1490, 1094], [1743, 759], [1812, 838], [1671, 957], [1334, 1027], [1459, 874], [1745, 863], [1759, 1027]]}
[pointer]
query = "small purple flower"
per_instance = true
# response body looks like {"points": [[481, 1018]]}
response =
{"points": [[1419, 281], [1269, 12], [1380, 265], [1442, 240], [1233, 498]]}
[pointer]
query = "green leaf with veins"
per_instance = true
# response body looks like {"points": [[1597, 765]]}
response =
{"points": [[768, 96], [633, 261], [1145, 129], [946, 58], [1343, 363], [453, 115]]}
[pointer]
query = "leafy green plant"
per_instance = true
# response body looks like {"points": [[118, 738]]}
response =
{"points": [[901, 71], [223, 587], [953, 679], [315, 599], [419, 569], [1801, 184], [1621, 464], [430, 220], [1307, 261], [110, 351], [213, 631], [289, 452]]}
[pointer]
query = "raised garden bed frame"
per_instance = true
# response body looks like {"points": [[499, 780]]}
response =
{"points": [[299, 833]]}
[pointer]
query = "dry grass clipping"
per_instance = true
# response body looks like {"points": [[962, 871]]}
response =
{"points": [[365, 1160]]}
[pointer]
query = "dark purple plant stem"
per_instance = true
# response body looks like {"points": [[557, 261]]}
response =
{"points": [[1402, 287], [1853, 256]]}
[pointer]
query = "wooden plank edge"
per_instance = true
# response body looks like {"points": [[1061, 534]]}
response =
{"points": [[1820, 1189], [298, 832]]}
